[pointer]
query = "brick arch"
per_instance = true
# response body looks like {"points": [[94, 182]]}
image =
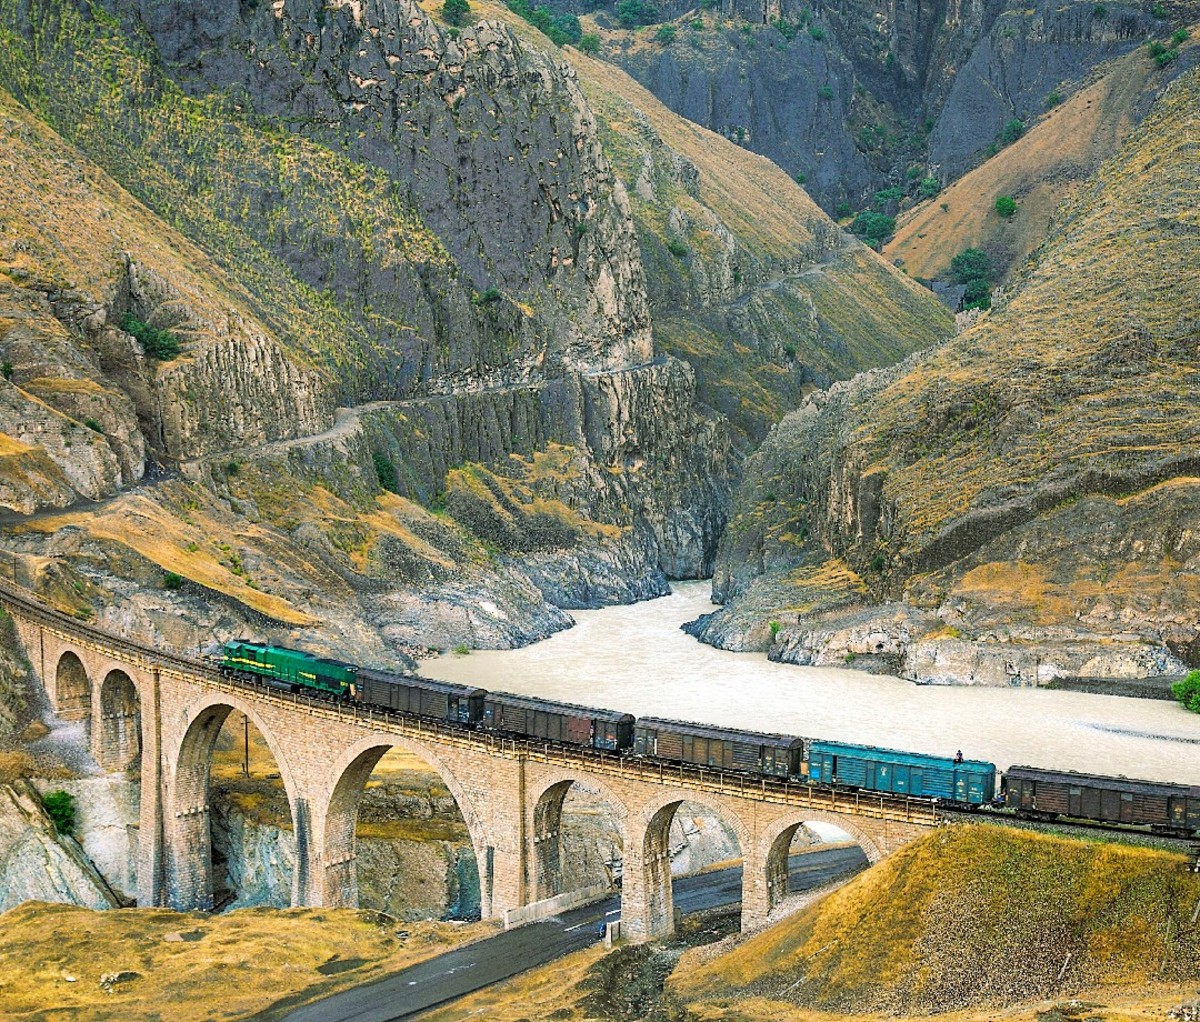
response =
{"points": [[775, 843], [189, 878], [72, 686], [119, 735], [654, 897], [338, 886], [547, 802]]}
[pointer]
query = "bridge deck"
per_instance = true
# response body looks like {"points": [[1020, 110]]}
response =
{"points": [[881, 806]]}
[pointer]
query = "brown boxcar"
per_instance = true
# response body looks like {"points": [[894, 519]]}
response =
{"points": [[1156, 804], [557, 722], [407, 693], [727, 748]]}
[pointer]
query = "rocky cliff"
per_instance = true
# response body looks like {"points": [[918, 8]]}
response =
{"points": [[850, 96], [246, 217], [1029, 484]]}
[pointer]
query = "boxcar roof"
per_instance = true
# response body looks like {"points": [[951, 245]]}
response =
{"points": [[728, 734], [1099, 780], [416, 681], [897, 755], [549, 705]]}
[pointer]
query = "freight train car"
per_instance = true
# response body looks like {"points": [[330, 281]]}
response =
{"points": [[968, 781], [729, 749], [557, 722], [291, 667], [421, 697], [1168, 807]]}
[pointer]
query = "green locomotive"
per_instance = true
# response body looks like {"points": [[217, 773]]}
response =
{"points": [[290, 667]]}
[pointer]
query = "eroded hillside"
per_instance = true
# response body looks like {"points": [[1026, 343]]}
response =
{"points": [[1031, 484], [342, 316]]}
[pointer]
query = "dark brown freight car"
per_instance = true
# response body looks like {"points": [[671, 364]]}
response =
{"points": [[558, 722], [1161, 806], [407, 693], [727, 748]]}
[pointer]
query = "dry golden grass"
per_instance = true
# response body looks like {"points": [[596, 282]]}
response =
{"points": [[1041, 169], [230, 966], [971, 915]]}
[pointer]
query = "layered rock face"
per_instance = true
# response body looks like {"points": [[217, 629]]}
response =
{"points": [[1031, 482], [849, 96]]}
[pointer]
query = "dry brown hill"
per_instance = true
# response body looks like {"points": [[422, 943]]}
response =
{"points": [[1049, 164], [968, 916]]}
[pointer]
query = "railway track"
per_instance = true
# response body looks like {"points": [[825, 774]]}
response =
{"points": [[876, 805], [1065, 827]]}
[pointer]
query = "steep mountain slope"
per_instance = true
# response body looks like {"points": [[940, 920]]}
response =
{"points": [[320, 212], [1046, 166], [853, 96], [749, 281], [1033, 480]]}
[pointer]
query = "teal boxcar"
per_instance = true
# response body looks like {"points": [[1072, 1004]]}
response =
{"points": [[969, 781], [291, 667]]}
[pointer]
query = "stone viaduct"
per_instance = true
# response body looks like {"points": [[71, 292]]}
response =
{"points": [[165, 711]]}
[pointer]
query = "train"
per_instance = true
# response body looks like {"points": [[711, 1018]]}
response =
{"points": [[1021, 791]]}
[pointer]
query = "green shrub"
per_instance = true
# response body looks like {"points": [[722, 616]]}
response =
{"points": [[677, 248], [879, 561], [158, 344], [60, 807], [1053, 99], [842, 210], [928, 188], [631, 13], [1013, 129], [969, 264], [826, 92], [486, 297], [801, 177], [559, 28], [1180, 36], [774, 629], [6, 369], [172, 580], [665, 35], [232, 468], [873, 227], [385, 472], [1099, 12], [93, 425], [454, 12], [1188, 691], [978, 294], [787, 29], [817, 32], [461, 649], [1006, 206], [1158, 12], [589, 42]]}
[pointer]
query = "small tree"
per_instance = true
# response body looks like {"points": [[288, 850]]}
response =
{"points": [[454, 12], [1188, 691], [1013, 129], [970, 264], [60, 807], [589, 42], [1006, 206], [873, 227]]}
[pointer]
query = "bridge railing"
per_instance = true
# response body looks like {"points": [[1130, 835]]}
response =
{"points": [[684, 776]]}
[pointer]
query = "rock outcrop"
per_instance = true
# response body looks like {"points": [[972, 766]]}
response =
{"points": [[37, 863]]}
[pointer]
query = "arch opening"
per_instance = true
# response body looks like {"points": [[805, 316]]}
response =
{"points": [[121, 722], [577, 840], [809, 854], [234, 817], [398, 839], [72, 689], [692, 867]]}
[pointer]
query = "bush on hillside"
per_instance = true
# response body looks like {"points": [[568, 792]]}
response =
{"points": [[454, 12], [1188, 691], [60, 807], [158, 344], [873, 227]]}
